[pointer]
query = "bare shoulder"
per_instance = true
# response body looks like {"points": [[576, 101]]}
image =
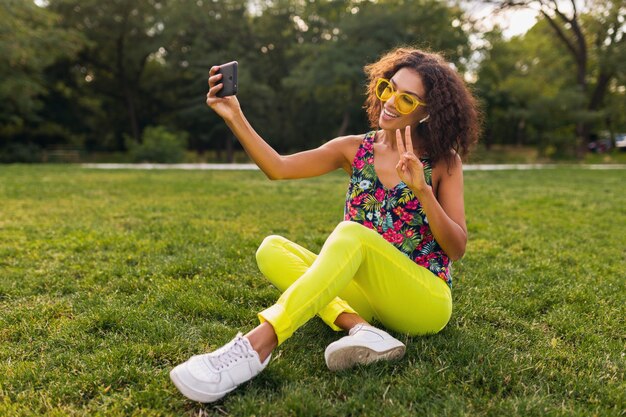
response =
{"points": [[447, 171], [449, 167], [347, 142], [348, 146]]}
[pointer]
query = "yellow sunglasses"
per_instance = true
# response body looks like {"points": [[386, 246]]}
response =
{"points": [[405, 103]]}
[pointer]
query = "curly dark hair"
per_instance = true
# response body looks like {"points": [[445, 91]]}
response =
{"points": [[455, 118]]}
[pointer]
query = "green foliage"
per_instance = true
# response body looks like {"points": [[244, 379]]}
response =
{"points": [[159, 145], [145, 63], [527, 88], [329, 70], [89, 73], [30, 41], [108, 279], [127, 42], [20, 152], [532, 85]]}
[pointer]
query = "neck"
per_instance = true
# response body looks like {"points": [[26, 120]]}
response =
{"points": [[388, 138]]}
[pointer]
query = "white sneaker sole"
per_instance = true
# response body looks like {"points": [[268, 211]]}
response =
{"points": [[349, 356], [191, 393]]}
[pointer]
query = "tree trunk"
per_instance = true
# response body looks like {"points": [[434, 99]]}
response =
{"points": [[132, 115], [577, 45], [345, 122], [609, 125], [583, 131], [602, 84], [122, 76], [567, 28]]}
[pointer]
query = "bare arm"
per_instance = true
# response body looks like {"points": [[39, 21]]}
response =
{"points": [[446, 211], [328, 157]]}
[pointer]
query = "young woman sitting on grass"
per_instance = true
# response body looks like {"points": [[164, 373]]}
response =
{"points": [[404, 222]]}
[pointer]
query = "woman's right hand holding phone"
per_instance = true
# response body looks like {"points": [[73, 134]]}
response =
{"points": [[226, 107]]}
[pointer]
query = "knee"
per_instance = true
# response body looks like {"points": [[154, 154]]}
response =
{"points": [[349, 233], [267, 250], [351, 229]]}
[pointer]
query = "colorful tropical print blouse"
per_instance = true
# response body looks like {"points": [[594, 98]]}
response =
{"points": [[395, 213]]}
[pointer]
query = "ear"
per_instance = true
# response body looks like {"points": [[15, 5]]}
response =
{"points": [[425, 118]]}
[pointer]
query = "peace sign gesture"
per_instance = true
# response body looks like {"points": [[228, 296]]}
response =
{"points": [[409, 167]]}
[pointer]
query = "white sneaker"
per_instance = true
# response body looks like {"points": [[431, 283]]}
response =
{"points": [[209, 377], [365, 344]]}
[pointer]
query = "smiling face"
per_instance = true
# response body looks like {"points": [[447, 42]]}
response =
{"points": [[405, 80]]}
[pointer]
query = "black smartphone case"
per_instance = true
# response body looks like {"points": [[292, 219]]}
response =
{"points": [[229, 79]]}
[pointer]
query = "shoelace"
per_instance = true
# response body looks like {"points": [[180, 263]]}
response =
{"points": [[231, 355]]}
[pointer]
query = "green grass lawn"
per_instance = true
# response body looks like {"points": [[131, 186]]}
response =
{"points": [[108, 279]]}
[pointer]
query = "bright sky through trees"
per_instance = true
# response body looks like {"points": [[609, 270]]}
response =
{"points": [[513, 22]]}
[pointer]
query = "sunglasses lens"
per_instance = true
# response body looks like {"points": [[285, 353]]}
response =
{"points": [[405, 103], [384, 90]]}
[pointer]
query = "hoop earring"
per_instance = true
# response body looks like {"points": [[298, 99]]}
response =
{"points": [[424, 119]]}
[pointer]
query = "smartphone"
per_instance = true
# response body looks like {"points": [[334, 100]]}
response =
{"points": [[229, 79]]}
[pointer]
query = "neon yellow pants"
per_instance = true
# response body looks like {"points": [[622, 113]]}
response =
{"points": [[357, 271]]}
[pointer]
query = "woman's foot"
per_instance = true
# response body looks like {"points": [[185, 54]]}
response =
{"points": [[209, 377], [365, 344]]}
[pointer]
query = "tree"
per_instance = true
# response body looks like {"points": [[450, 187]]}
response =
{"points": [[593, 34], [204, 34], [145, 63], [344, 38], [530, 96], [30, 41], [124, 37]]}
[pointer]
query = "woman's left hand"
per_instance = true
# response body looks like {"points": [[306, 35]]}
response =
{"points": [[409, 167]]}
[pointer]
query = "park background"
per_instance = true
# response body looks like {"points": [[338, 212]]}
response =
{"points": [[111, 277], [126, 80]]}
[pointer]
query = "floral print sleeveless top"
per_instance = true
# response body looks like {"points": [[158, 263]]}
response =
{"points": [[395, 213]]}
